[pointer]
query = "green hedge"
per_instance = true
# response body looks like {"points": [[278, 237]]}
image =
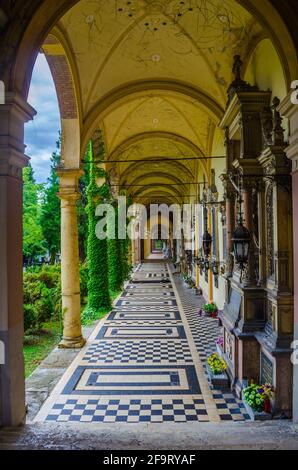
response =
{"points": [[42, 295]]}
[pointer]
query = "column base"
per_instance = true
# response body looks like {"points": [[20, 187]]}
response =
{"points": [[72, 343]]}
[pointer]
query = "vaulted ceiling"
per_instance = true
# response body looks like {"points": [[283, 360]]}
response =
{"points": [[178, 55]]}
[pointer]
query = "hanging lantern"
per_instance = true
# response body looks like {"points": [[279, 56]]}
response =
{"points": [[207, 242], [206, 265], [241, 242], [215, 268]]}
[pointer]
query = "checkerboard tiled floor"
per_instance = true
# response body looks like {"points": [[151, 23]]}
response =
{"points": [[205, 332], [144, 362]]}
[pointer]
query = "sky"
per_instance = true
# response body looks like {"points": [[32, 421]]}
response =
{"points": [[41, 134]]}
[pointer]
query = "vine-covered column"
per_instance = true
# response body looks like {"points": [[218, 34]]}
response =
{"points": [[97, 250], [115, 256]]}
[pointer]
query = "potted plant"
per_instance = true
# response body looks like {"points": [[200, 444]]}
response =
{"points": [[257, 400], [216, 368], [188, 281], [210, 310], [185, 278]]}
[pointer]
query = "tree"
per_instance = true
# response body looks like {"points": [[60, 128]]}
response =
{"points": [[97, 253], [50, 219], [33, 240]]}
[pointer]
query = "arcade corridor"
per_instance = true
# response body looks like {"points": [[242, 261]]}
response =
{"points": [[190, 105], [145, 362]]}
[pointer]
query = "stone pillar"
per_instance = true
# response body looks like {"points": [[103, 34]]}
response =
{"points": [[290, 110], [70, 264], [13, 115]]}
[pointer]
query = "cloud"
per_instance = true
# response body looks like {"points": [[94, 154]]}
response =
{"points": [[41, 134]]}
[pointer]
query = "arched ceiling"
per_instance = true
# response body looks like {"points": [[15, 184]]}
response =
{"points": [[192, 41], [175, 59]]}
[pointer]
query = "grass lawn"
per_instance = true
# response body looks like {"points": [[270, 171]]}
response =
{"points": [[39, 345]]}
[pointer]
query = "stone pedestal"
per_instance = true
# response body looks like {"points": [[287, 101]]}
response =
{"points": [[244, 312]]}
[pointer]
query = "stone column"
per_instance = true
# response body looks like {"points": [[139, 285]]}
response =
{"points": [[289, 110], [70, 264], [13, 115]]}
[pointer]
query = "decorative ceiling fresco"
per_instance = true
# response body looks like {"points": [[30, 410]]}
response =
{"points": [[192, 41], [120, 43]]}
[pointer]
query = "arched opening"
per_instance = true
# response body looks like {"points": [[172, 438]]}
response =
{"points": [[156, 87]]}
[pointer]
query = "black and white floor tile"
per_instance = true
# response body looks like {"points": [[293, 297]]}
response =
{"points": [[144, 362], [205, 332]]}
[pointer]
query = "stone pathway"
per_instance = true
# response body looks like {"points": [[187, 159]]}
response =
{"points": [[145, 362]]}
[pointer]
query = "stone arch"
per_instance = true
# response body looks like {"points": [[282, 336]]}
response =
{"points": [[121, 94], [64, 76], [270, 77], [44, 16], [168, 135]]}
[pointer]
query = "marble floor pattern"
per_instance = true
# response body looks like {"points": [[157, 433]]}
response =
{"points": [[144, 362]]}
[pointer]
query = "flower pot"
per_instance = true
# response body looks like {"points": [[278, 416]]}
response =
{"points": [[256, 415], [219, 381]]}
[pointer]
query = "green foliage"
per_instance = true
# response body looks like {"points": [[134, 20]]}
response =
{"points": [[38, 346], [42, 296], [115, 258], [84, 277], [82, 213], [90, 315], [33, 240], [50, 218], [97, 252], [217, 364], [188, 280], [256, 396], [124, 265], [211, 309]]}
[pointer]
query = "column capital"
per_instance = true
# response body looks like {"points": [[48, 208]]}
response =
{"points": [[12, 162], [13, 116], [69, 180], [20, 106]]}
